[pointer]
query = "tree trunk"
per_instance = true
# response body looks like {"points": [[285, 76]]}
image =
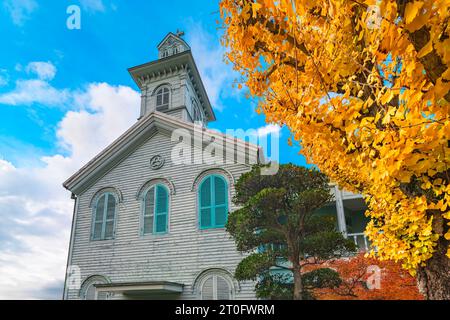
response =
{"points": [[434, 279], [298, 286]]}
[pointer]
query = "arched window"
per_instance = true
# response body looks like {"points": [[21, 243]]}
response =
{"points": [[195, 108], [213, 202], [104, 217], [196, 113], [89, 291], [155, 210], [198, 116], [216, 287], [162, 98]]}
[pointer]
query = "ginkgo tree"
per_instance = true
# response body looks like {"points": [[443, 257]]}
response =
{"points": [[364, 87]]}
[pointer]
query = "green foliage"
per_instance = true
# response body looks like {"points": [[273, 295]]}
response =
{"points": [[274, 287], [322, 278], [287, 177], [277, 214], [254, 265], [322, 242]]}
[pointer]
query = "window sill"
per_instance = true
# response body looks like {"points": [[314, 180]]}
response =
{"points": [[155, 235], [101, 240], [162, 108], [211, 228]]}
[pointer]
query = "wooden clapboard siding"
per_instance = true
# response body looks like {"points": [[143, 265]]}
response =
{"points": [[178, 256]]}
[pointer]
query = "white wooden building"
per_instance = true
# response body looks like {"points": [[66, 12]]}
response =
{"points": [[145, 226]]}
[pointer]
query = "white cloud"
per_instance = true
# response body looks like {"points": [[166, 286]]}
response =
{"points": [[113, 109], [209, 56], [20, 10], [268, 129], [93, 5], [35, 210], [44, 70], [33, 230], [32, 91]]}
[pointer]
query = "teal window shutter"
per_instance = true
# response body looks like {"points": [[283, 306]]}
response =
{"points": [[213, 194], [220, 202], [98, 219], [161, 209], [104, 217], [149, 209], [110, 212], [205, 204], [156, 210]]}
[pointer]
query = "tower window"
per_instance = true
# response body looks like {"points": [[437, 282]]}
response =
{"points": [[196, 111], [162, 98]]}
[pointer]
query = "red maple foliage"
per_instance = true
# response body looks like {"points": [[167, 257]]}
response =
{"points": [[370, 279]]}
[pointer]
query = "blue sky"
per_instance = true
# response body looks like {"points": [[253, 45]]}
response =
{"points": [[58, 87]]}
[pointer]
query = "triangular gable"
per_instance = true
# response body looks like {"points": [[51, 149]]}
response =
{"points": [[132, 139], [174, 37]]}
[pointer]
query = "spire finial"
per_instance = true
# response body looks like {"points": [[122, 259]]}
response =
{"points": [[179, 33]]}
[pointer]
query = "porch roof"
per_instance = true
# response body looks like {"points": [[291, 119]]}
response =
{"points": [[141, 287]]}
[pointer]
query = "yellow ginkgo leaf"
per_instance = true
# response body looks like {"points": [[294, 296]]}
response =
{"points": [[411, 10], [447, 235], [255, 7], [425, 50]]}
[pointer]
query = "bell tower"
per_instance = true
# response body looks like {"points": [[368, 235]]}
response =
{"points": [[172, 84]]}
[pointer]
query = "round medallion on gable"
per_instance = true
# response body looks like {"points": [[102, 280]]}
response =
{"points": [[156, 162]]}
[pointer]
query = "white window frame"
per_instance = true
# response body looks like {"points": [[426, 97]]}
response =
{"points": [[89, 283], [160, 91], [153, 214], [105, 219]]}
